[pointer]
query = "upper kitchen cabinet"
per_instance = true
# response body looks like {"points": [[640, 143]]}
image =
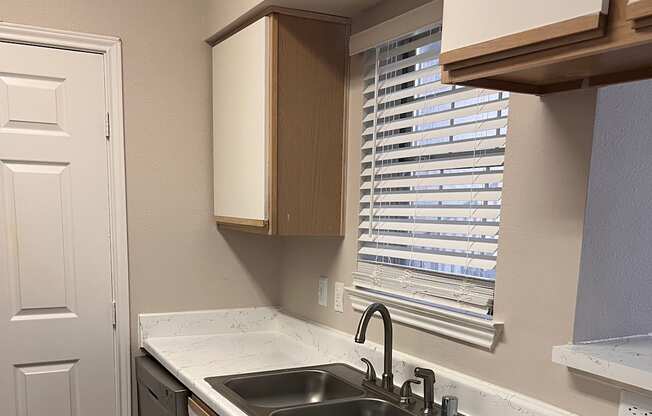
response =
{"points": [[279, 100], [546, 46]]}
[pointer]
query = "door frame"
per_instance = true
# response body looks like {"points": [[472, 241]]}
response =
{"points": [[111, 50]]}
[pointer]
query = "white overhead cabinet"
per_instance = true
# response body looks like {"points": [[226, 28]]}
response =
{"points": [[279, 93], [475, 28], [240, 79], [545, 46]]}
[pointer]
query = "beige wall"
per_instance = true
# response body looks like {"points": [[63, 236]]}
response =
{"points": [[178, 259], [546, 170]]}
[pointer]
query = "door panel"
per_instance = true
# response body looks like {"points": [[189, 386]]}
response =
{"points": [[57, 385], [57, 351], [40, 220], [32, 103]]}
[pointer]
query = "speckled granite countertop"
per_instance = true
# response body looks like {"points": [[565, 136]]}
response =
{"points": [[195, 345], [625, 360]]}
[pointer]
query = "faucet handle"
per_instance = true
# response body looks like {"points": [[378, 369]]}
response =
{"points": [[371, 373], [406, 391], [449, 406]]}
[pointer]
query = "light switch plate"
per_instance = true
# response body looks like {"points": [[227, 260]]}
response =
{"points": [[338, 303], [322, 292], [632, 404]]}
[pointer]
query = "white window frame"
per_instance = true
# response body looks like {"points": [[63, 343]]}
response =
{"points": [[440, 318]]}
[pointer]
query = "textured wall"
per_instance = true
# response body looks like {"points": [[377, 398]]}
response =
{"points": [[179, 260], [616, 270]]}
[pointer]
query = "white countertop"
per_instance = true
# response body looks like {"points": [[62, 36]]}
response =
{"points": [[196, 345], [193, 358], [624, 360]]}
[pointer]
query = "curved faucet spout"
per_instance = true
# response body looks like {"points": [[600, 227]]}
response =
{"points": [[360, 337]]}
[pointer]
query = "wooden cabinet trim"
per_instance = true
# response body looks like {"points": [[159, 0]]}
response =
{"points": [[199, 407], [272, 133], [241, 221], [554, 35], [256, 13]]}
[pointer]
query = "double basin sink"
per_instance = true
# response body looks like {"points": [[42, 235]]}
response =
{"points": [[326, 390]]}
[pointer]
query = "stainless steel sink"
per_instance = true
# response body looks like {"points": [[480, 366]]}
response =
{"points": [[259, 394], [359, 407], [323, 390], [292, 388]]}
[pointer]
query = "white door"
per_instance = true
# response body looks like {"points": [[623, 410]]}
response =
{"points": [[56, 332]]}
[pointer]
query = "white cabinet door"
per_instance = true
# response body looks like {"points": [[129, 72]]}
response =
{"points": [[56, 333], [470, 22], [240, 85]]}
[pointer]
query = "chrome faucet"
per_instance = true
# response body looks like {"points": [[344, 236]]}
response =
{"points": [[388, 377]]}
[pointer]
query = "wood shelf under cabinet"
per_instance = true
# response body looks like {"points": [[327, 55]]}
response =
{"points": [[588, 51], [298, 181]]}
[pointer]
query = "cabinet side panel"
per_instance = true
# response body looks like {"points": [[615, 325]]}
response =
{"points": [[239, 124], [312, 63]]}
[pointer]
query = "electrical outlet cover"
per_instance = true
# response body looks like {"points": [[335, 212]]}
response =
{"points": [[322, 293], [632, 404], [338, 303]]}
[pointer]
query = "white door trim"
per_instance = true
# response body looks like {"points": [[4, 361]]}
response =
{"points": [[111, 49]]}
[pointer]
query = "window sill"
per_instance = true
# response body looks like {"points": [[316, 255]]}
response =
{"points": [[469, 329], [621, 361]]}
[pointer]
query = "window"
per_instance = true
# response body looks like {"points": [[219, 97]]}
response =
{"points": [[431, 183]]}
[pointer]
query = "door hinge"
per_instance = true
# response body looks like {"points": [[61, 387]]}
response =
{"points": [[114, 315], [107, 126]]}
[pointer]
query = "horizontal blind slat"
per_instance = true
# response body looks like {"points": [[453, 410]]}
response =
{"points": [[443, 211], [459, 129], [435, 180], [440, 116], [487, 246], [471, 284], [454, 163], [429, 257], [484, 143], [407, 47], [448, 298], [462, 227], [434, 87], [398, 80], [468, 294], [402, 64], [452, 195], [423, 103]]}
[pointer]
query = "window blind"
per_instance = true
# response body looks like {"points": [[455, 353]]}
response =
{"points": [[431, 179]]}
